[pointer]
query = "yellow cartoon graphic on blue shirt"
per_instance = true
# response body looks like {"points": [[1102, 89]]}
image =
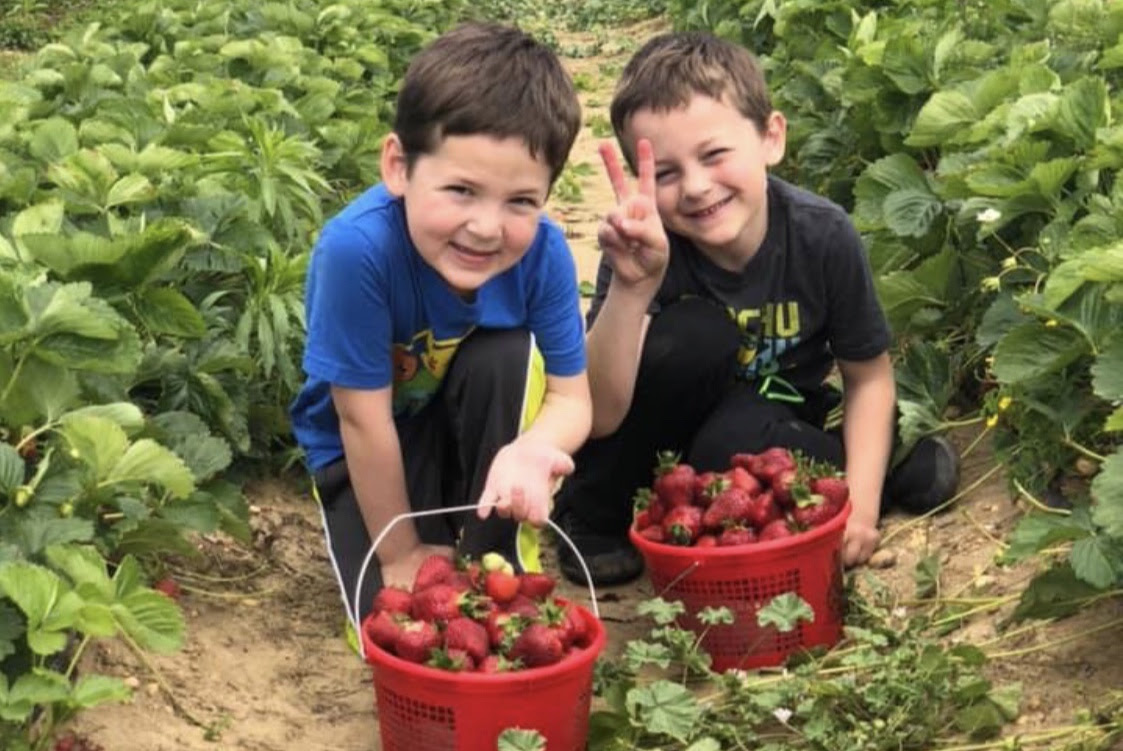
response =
{"points": [[419, 368]]}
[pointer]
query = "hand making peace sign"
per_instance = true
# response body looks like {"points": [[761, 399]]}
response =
{"points": [[632, 235]]}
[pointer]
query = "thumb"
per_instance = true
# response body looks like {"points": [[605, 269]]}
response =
{"points": [[562, 465], [484, 508]]}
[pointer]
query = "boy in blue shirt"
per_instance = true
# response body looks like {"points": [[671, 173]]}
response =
{"points": [[724, 299], [445, 355]]}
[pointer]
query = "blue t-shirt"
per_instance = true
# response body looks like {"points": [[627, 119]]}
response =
{"points": [[378, 314]]}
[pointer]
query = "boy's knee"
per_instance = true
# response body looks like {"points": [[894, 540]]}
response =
{"points": [[691, 340]]}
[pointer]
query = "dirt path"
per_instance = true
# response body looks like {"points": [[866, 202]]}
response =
{"points": [[266, 667]]}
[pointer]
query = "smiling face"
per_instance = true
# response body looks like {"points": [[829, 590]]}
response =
{"points": [[711, 167], [472, 204]]}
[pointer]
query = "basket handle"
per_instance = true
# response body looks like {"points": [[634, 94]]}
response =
{"points": [[470, 507]]}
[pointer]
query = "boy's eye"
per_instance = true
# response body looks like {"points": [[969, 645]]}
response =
{"points": [[663, 175], [525, 201], [460, 190], [714, 153]]}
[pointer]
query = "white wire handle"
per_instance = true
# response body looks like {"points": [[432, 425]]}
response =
{"points": [[433, 512]]}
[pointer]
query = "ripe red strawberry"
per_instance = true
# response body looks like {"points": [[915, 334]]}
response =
{"points": [[674, 481], [524, 606], [501, 628], [813, 511], [646, 508], [772, 462], [494, 663], [168, 587], [468, 635], [442, 602], [536, 586], [706, 541], [576, 626], [501, 586], [436, 569], [774, 530], [416, 641], [736, 535], [731, 506], [452, 660], [384, 628], [762, 510], [784, 484], [832, 487], [706, 486], [745, 461], [393, 600], [653, 533], [682, 525], [537, 645], [741, 478]]}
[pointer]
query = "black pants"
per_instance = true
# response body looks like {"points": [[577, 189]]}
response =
{"points": [[447, 449], [687, 400]]}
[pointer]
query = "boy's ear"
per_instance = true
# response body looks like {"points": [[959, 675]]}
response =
{"points": [[393, 166], [775, 138]]}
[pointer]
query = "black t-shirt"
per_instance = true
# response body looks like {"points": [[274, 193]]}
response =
{"points": [[806, 297]]}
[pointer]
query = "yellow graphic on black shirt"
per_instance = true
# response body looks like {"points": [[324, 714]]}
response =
{"points": [[419, 368], [766, 333]]}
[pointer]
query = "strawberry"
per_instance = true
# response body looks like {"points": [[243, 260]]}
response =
{"points": [[674, 481], [762, 510], [776, 529], [736, 535], [536, 586], [647, 508], [730, 506], [416, 641], [441, 603], [705, 487], [784, 484], [468, 635], [682, 524], [436, 569], [168, 587], [653, 533], [746, 461], [496, 664], [813, 511], [741, 478], [537, 645], [383, 629], [524, 606], [496, 562], [706, 541], [833, 488], [502, 628], [393, 600], [577, 629], [452, 660], [501, 586], [772, 462]]}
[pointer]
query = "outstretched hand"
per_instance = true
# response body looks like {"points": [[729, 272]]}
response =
{"points": [[631, 234], [521, 481]]}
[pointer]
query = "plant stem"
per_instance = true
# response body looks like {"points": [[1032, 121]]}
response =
{"points": [[1085, 451], [15, 377], [974, 442], [929, 514], [1117, 623], [997, 602], [158, 676], [1042, 737], [1038, 504]]}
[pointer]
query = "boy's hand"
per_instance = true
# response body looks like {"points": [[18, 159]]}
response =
{"points": [[401, 571], [521, 480], [631, 234], [859, 541]]}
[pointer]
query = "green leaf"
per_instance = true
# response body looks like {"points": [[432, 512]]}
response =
{"points": [[942, 116], [1055, 593], [164, 310], [664, 707], [205, 456], [41, 219], [910, 212], [1114, 421], [40, 688], [148, 462], [1033, 350], [151, 619], [1107, 495], [521, 740], [132, 188], [980, 720], [53, 140], [84, 565], [1107, 372], [12, 469], [94, 690], [99, 442], [1083, 108], [1036, 532], [125, 414], [1002, 316], [785, 612], [1093, 562]]}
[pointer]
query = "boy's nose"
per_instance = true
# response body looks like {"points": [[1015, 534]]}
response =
{"points": [[695, 183], [485, 224]]}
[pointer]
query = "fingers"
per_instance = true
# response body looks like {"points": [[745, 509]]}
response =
{"points": [[614, 170], [645, 162]]}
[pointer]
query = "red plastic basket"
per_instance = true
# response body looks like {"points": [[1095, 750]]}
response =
{"points": [[426, 709], [744, 579]]}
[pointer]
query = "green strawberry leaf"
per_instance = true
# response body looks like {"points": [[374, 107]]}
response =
{"points": [[785, 612], [664, 707]]}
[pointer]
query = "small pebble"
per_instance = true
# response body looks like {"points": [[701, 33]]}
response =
{"points": [[883, 559], [132, 681]]}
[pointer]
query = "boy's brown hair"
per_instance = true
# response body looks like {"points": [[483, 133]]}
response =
{"points": [[671, 68], [488, 79]]}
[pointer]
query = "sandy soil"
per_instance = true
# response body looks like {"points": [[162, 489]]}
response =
{"points": [[267, 668]]}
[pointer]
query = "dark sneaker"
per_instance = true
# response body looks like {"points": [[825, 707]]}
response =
{"points": [[927, 477], [611, 558]]}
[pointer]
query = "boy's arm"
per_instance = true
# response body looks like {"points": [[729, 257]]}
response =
{"points": [[614, 345], [374, 462], [869, 394], [523, 473]]}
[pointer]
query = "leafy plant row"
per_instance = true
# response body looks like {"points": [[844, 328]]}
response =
{"points": [[162, 177], [978, 149]]}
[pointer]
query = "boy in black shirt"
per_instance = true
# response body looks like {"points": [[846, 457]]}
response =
{"points": [[724, 298]]}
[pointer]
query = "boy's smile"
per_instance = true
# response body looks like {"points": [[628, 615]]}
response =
{"points": [[472, 205], [711, 167]]}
